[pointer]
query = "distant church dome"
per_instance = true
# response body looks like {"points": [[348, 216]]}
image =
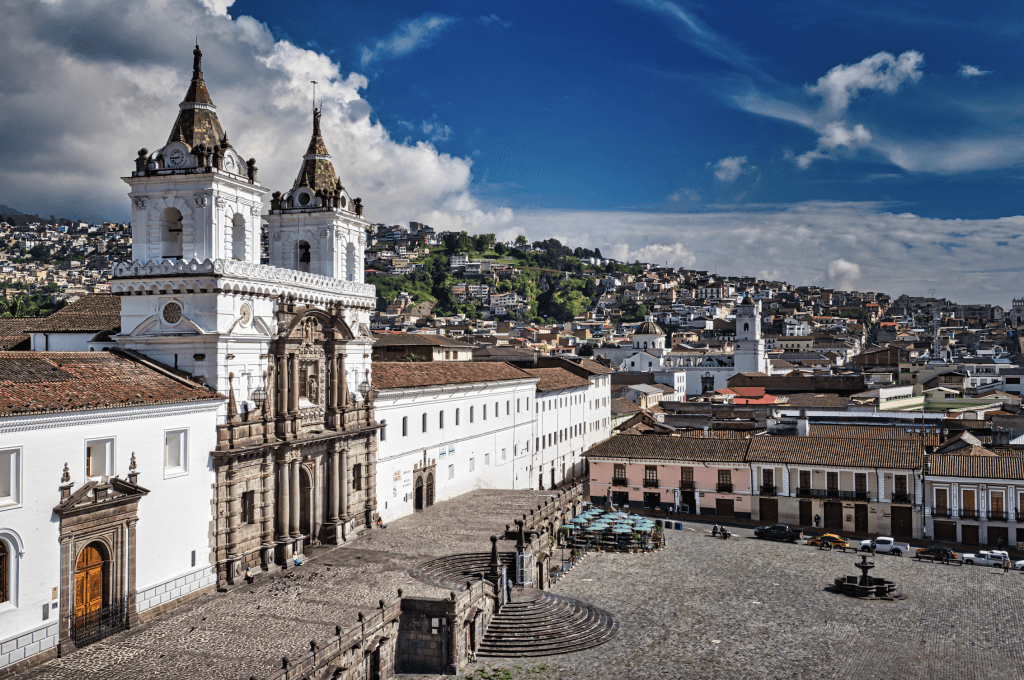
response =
{"points": [[648, 327]]}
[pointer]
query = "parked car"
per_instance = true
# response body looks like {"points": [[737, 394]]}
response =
{"points": [[778, 532], [989, 558], [833, 540], [1019, 564], [937, 553], [885, 545]]}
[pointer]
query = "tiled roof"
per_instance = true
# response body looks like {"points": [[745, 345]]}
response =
{"points": [[556, 379], [423, 339], [51, 382], [813, 400], [889, 453], [872, 432], [400, 374], [622, 406], [88, 314], [663, 447], [986, 467], [719, 434], [12, 333]]}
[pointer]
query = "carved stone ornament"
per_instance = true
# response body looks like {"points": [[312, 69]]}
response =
{"points": [[324, 233], [277, 235], [133, 466], [256, 210], [140, 202], [200, 200], [172, 312], [66, 477], [362, 239]]}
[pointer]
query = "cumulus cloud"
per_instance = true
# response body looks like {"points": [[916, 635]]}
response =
{"points": [[859, 245], [87, 84], [410, 35], [835, 136], [844, 275], [686, 193], [729, 169], [968, 71], [880, 71]]}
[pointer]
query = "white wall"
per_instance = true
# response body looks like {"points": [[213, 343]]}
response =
{"points": [[481, 440], [61, 342], [559, 435], [174, 518]]}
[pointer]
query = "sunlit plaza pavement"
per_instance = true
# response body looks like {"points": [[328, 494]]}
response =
{"points": [[744, 608]]}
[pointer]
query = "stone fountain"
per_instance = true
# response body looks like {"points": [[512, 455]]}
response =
{"points": [[867, 587]]}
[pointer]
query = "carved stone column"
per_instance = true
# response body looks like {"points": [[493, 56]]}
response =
{"points": [[295, 497], [133, 617], [343, 470], [231, 507], [266, 514], [293, 401], [283, 501], [333, 502], [281, 410]]}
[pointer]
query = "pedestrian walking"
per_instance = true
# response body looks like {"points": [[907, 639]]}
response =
{"points": [[874, 548], [1006, 565], [714, 530]]}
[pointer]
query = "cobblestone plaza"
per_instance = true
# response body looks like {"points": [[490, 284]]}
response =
{"points": [[744, 608]]}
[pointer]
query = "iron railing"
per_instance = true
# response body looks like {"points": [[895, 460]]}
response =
{"points": [[651, 483], [686, 484], [942, 512], [724, 487], [620, 481], [997, 515], [101, 623], [768, 490], [903, 498], [968, 513]]}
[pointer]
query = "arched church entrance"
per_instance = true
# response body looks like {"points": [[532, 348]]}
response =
{"points": [[430, 489], [305, 503], [419, 494], [90, 588]]}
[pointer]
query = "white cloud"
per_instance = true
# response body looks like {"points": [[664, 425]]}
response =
{"points": [[835, 136], [968, 71], [120, 83], [880, 71], [729, 169], [438, 132], [686, 193], [844, 275], [966, 260], [410, 35]]}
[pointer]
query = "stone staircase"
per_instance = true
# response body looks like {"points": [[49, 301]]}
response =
{"points": [[536, 623], [452, 571]]}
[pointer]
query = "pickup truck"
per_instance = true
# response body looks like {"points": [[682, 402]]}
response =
{"points": [[991, 558], [778, 532], [885, 545]]}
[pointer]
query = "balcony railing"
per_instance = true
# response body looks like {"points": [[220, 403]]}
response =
{"points": [[834, 494], [942, 512], [651, 483], [620, 481], [686, 484], [997, 515], [968, 513], [768, 490], [723, 487], [903, 498]]}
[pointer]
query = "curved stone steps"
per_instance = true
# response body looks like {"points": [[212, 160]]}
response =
{"points": [[548, 625], [452, 571]]}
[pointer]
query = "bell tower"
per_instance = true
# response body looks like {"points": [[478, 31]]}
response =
{"points": [[317, 227], [195, 198], [750, 355]]}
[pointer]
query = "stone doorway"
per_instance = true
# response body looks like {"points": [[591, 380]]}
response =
{"points": [[553, 477], [769, 510], [419, 494], [806, 514], [969, 534], [902, 522], [540, 481], [89, 582], [430, 489], [305, 503], [725, 507], [945, 532], [834, 516]]}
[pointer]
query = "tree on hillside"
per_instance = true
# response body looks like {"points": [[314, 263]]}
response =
{"points": [[521, 240]]}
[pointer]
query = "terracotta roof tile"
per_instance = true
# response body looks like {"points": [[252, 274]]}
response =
{"points": [[12, 333], [49, 382], [873, 432], [662, 447], [401, 374], [556, 379], [888, 453], [986, 467], [88, 314]]}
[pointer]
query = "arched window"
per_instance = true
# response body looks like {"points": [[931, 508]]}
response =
{"points": [[170, 234], [238, 237], [302, 256], [440, 420], [405, 426], [746, 327], [383, 430], [350, 262], [471, 414], [456, 417], [424, 422], [497, 411], [485, 411]]}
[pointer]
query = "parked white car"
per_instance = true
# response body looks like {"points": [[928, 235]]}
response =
{"points": [[989, 558], [885, 545]]}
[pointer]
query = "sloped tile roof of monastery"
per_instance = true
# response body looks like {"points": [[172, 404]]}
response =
{"points": [[555, 379], [400, 374], [662, 447], [988, 467], [12, 332], [887, 453], [873, 432], [88, 314], [54, 382]]}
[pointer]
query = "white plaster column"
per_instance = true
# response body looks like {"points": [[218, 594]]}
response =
{"points": [[881, 487]]}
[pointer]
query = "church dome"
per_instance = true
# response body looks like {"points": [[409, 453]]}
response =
{"points": [[648, 328]]}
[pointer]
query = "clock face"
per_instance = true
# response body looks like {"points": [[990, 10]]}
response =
{"points": [[229, 164], [177, 158], [172, 312], [246, 314]]}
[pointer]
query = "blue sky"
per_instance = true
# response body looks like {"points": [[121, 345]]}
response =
{"points": [[632, 105], [874, 147]]}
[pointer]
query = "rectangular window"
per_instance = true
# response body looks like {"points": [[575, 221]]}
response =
{"points": [[686, 474], [941, 499], [248, 508], [899, 485], [497, 412], [860, 484], [487, 459], [424, 422], [536, 446], [651, 473], [832, 481], [99, 458], [9, 477], [805, 479], [471, 414], [456, 417], [472, 464], [440, 420], [619, 471], [357, 477], [383, 431], [503, 452], [725, 476], [405, 426], [527, 403], [485, 411], [508, 408], [451, 472], [518, 404], [768, 477], [176, 451]]}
